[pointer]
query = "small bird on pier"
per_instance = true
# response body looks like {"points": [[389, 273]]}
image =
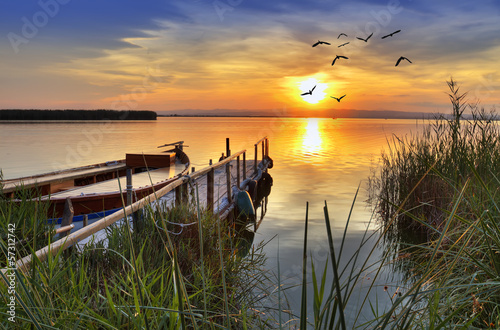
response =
{"points": [[339, 56], [310, 91], [342, 34], [338, 98], [402, 58], [321, 42], [343, 44], [365, 40], [391, 34]]}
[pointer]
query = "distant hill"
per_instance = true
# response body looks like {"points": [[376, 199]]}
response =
{"points": [[17, 114], [343, 113]]}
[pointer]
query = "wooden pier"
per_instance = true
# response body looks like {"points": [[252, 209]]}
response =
{"points": [[216, 186]]}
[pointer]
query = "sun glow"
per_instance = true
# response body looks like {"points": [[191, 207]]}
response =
{"points": [[315, 90]]}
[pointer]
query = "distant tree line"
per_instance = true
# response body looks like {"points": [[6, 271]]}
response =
{"points": [[76, 115]]}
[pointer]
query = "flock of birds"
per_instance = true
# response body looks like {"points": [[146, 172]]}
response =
{"points": [[337, 57]]}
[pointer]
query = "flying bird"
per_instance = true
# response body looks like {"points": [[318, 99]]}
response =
{"points": [[391, 34], [339, 56], [338, 98], [342, 34], [365, 40], [310, 91], [402, 58], [321, 42], [343, 44]]}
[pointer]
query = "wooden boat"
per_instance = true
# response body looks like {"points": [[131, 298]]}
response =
{"points": [[100, 189]]}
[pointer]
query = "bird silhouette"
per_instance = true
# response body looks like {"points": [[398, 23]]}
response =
{"points": [[343, 44], [402, 58], [342, 34], [321, 42], [338, 98], [391, 34], [339, 56], [365, 40], [310, 91]]}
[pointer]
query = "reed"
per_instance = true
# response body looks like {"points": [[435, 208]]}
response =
{"points": [[444, 184], [183, 268]]}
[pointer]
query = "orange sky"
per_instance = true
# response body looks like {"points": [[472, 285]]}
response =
{"points": [[250, 56]]}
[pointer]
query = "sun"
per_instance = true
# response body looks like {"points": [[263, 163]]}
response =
{"points": [[317, 94]]}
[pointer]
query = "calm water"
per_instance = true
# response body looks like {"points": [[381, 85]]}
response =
{"points": [[315, 160]]}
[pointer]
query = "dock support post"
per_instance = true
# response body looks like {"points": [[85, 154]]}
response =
{"points": [[255, 160], [129, 186], [210, 189], [263, 150], [130, 198], [244, 166], [178, 195], [228, 150], [67, 220], [267, 147], [238, 180], [228, 182], [85, 220]]}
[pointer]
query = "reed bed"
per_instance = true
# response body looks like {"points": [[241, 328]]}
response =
{"points": [[183, 268], [437, 199]]}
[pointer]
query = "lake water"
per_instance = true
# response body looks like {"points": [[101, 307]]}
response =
{"points": [[315, 160]]}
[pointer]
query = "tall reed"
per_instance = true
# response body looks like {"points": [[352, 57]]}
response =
{"points": [[169, 284]]}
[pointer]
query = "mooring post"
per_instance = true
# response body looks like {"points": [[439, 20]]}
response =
{"points": [[210, 189], [129, 186], [85, 220], [255, 160], [178, 195], [267, 147], [238, 179], [130, 191], [263, 149], [228, 150], [67, 218], [228, 182], [244, 165]]}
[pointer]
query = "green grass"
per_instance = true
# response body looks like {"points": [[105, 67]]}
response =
{"points": [[437, 199], [184, 268]]}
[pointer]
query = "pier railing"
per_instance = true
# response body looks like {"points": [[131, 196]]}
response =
{"points": [[181, 186]]}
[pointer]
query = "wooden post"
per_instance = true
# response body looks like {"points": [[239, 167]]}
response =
{"points": [[244, 166], [228, 182], [129, 186], [255, 160], [263, 150], [178, 196], [238, 172], [85, 220], [228, 151], [67, 218], [210, 189], [267, 147]]}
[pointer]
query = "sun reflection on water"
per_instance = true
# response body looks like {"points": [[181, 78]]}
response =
{"points": [[312, 141]]}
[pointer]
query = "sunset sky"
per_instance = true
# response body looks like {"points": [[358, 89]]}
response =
{"points": [[246, 54]]}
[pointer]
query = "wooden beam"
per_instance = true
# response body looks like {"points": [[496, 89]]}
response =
{"points": [[210, 189]]}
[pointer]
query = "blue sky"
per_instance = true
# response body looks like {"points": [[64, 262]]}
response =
{"points": [[243, 54]]}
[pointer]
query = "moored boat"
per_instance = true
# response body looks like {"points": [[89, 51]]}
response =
{"points": [[100, 189]]}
